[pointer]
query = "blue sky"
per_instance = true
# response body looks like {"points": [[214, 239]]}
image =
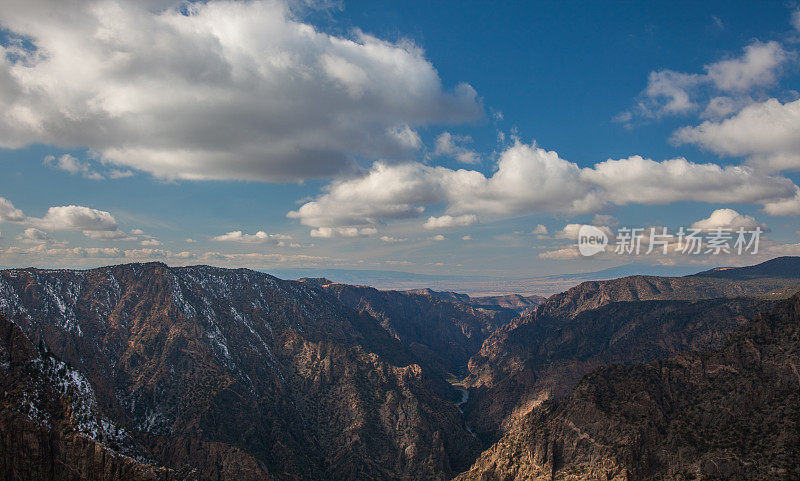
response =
{"points": [[128, 130]]}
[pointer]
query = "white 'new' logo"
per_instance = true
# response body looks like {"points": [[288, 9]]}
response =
{"points": [[591, 240]]}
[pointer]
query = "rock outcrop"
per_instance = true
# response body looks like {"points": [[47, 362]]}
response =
{"points": [[50, 428], [730, 413], [238, 375], [543, 355]]}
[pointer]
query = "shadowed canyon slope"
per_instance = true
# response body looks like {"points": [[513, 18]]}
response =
{"points": [[143, 371], [729, 413], [240, 374], [443, 329], [627, 320], [50, 427]]}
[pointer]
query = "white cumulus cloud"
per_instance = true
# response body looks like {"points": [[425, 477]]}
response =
{"points": [[528, 180], [259, 237], [669, 92], [571, 231], [645, 181], [331, 232], [116, 235], [787, 206], [757, 67], [69, 163], [95, 223], [32, 235], [76, 217], [9, 213], [213, 90], [540, 229], [767, 133], [451, 145], [727, 219], [446, 221]]}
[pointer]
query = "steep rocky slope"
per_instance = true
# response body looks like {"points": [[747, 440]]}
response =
{"points": [[50, 427], [443, 332], [594, 294], [731, 413], [516, 370], [156, 373], [240, 375], [627, 320]]}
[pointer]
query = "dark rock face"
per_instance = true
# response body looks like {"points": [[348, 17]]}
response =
{"points": [[518, 369], [778, 268], [730, 413], [145, 372], [240, 375], [594, 294], [442, 332], [50, 428], [633, 319]]}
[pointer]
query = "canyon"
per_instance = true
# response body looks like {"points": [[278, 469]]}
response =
{"points": [[145, 371]]}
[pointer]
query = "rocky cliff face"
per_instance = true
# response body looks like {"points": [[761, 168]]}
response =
{"points": [[787, 267], [633, 319], [730, 413], [442, 329], [237, 374], [50, 427], [542, 359], [145, 372], [594, 294]]}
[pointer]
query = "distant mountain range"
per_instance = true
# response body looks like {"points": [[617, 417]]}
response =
{"points": [[480, 286], [780, 268], [146, 372]]}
